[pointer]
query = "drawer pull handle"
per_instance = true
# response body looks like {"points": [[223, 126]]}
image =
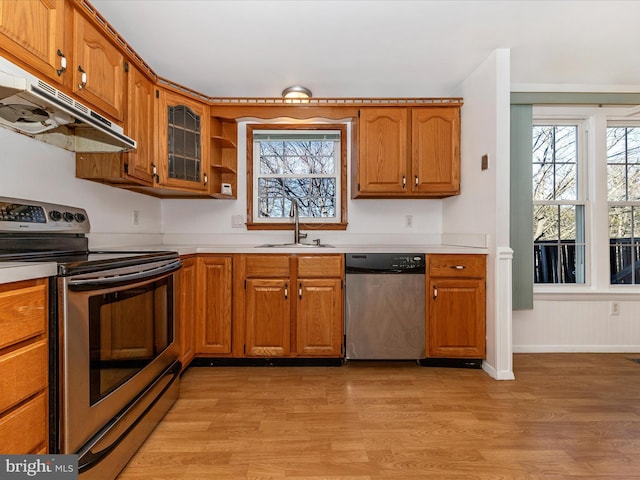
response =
{"points": [[286, 290], [300, 290], [458, 267], [435, 292], [404, 181]]}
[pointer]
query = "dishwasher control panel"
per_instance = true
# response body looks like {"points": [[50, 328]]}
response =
{"points": [[384, 263]]}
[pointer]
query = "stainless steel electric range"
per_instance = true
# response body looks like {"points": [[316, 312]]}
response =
{"points": [[113, 355]]}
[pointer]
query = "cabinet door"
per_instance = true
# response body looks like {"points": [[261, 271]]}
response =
{"points": [[33, 33], [456, 318], [213, 333], [186, 309], [182, 142], [435, 156], [267, 317], [98, 69], [383, 153], [319, 317], [139, 125]]}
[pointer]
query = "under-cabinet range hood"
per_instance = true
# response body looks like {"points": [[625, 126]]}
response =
{"points": [[32, 106]]}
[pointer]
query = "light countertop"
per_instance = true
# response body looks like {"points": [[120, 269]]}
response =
{"points": [[17, 271]]}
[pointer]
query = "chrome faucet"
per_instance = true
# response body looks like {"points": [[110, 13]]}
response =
{"points": [[295, 213]]}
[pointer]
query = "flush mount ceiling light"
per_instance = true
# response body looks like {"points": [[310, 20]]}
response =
{"points": [[296, 92]]}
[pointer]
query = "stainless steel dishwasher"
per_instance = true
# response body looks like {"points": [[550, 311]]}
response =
{"points": [[385, 306]]}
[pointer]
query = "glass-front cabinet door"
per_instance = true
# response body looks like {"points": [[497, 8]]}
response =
{"points": [[183, 149]]}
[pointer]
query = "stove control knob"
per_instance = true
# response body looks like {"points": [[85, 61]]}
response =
{"points": [[55, 215], [80, 217], [67, 216]]}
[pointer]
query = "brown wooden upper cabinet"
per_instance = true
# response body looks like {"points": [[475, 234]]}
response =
{"points": [[411, 152], [98, 68], [139, 125], [33, 33], [183, 142], [55, 39]]}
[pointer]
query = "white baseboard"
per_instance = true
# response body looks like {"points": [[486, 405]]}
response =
{"points": [[576, 349]]}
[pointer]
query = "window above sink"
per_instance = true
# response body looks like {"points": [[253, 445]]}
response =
{"points": [[303, 163]]}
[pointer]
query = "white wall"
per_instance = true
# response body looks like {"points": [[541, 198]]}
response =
{"points": [[483, 208], [370, 221], [33, 170], [570, 325]]}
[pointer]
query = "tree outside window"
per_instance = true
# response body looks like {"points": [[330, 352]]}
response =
{"points": [[301, 163]]}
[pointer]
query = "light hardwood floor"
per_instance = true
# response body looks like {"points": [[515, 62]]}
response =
{"points": [[566, 416]]}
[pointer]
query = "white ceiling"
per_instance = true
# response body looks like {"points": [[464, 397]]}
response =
{"points": [[381, 48]]}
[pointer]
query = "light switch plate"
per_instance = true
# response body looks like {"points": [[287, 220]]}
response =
{"points": [[237, 221]]}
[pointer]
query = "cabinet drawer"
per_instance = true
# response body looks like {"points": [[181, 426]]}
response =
{"points": [[23, 372], [315, 266], [24, 430], [468, 266], [261, 266], [23, 313]]}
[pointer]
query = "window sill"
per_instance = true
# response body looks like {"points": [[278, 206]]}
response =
{"points": [[303, 226]]}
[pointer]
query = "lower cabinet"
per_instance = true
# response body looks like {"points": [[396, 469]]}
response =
{"points": [[293, 305], [320, 306], [186, 289], [213, 319], [456, 306], [24, 366]]}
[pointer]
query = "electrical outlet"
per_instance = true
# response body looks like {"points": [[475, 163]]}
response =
{"points": [[135, 217], [614, 308], [408, 221]]}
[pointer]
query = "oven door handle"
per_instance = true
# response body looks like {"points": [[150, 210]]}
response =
{"points": [[116, 280]]}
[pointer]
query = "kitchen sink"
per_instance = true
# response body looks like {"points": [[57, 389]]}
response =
{"points": [[295, 245]]}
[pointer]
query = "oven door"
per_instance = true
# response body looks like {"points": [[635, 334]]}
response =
{"points": [[116, 336]]}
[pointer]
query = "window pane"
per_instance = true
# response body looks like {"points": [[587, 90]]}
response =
{"points": [[542, 144], [565, 144], [568, 222], [555, 162], [559, 249], [633, 183], [620, 223], [272, 187], [616, 182], [543, 181], [545, 223], [270, 207], [616, 145], [271, 154], [633, 145], [624, 244], [566, 184]]}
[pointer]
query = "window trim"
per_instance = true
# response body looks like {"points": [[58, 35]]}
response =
{"points": [[341, 224], [582, 198]]}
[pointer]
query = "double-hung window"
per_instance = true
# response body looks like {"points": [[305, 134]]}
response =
{"points": [[623, 180], [302, 163], [558, 203]]}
